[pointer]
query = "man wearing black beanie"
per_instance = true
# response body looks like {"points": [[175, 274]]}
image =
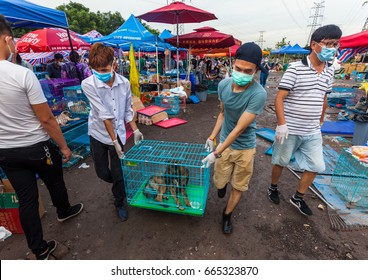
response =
{"points": [[241, 100]]}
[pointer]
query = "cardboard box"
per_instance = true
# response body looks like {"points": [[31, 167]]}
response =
{"points": [[9, 208], [187, 87], [136, 103]]}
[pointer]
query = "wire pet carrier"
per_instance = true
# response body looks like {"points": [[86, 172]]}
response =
{"points": [[78, 142], [350, 178], [171, 103], [76, 101], [167, 176]]}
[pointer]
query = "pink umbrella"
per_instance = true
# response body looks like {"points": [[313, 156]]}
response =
{"points": [[49, 40], [175, 13]]}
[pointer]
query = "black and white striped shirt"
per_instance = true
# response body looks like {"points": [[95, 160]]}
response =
{"points": [[303, 105]]}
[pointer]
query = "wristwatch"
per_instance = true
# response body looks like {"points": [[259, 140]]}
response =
{"points": [[217, 155]]}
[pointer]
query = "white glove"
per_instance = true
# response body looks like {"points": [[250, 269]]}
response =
{"points": [[210, 145], [118, 149], [138, 136], [208, 160], [282, 133]]}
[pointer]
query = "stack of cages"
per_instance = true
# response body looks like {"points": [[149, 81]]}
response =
{"points": [[77, 102], [342, 98], [77, 136], [171, 103], [53, 91], [350, 178], [167, 176]]}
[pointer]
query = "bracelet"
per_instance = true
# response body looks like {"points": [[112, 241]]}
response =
{"points": [[217, 155]]}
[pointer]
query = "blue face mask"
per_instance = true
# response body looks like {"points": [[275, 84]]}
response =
{"points": [[326, 54], [241, 79], [103, 77]]}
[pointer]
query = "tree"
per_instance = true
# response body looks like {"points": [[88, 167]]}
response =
{"points": [[108, 22], [282, 43], [80, 19]]}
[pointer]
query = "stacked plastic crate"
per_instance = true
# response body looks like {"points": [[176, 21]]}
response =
{"points": [[167, 176]]}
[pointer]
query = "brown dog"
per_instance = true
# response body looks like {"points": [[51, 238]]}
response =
{"points": [[176, 178]]}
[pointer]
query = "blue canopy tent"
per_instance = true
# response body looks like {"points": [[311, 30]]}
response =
{"points": [[21, 13], [296, 49], [280, 49]]}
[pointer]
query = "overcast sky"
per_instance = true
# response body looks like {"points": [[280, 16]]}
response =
{"points": [[245, 18]]}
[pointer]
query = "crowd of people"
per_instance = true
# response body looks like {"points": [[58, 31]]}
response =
{"points": [[26, 147]]}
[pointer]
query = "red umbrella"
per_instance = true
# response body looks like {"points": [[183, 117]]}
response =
{"points": [[49, 40], [205, 37], [175, 13]]}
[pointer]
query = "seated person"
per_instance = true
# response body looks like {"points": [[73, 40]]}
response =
{"points": [[53, 69]]}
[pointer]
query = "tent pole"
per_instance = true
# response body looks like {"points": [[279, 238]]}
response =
{"points": [[158, 75], [230, 69], [177, 53]]}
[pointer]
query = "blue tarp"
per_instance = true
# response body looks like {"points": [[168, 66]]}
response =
{"points": [[21, 13]]}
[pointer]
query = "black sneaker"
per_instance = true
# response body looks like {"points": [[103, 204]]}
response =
{"points": [[227, 226], [122, 213], [301, 205], [273, 195], [72, 212], [51, 246], [221, 192]]}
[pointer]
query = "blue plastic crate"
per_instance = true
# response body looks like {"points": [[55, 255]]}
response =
{"points": [[78, 142], [350, 178], [171, 103], [158, 172], [76, 101], [40, 75]]}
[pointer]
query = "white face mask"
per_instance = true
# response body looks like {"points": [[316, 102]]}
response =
{"points": [[10, 57]]}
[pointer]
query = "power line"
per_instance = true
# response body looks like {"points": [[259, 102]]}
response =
{"points": [[291, 15]]}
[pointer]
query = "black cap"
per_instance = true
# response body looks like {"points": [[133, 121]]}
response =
{"points": [[250, 52]]}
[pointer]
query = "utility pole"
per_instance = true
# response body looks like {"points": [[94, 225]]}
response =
{"points": [[365, 26], [316, 18], [181, 26], [260, 40]]}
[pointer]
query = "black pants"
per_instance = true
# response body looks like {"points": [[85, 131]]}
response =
{"points": [[110, 172], [20, 166]]}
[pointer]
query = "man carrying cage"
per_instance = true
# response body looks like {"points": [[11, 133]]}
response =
{"points": [[241, 100], [109, 95]]}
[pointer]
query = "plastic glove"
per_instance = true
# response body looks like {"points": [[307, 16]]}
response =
{"points": [[138, 136], [210, 145], [282, 133], [118, 149], [208, 160]]}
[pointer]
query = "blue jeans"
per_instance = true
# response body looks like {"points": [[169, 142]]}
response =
{"points": [[263, 79]]}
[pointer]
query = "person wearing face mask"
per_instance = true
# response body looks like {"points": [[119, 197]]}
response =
{"points": [[241, 100], [265, 66], [110, 98], [300, 107], [26, 125], [53, 69]]}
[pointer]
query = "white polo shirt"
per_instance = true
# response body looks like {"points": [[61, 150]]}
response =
{"points": [[108, 103], [19, 90]]}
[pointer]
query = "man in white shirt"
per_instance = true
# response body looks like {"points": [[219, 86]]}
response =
{"points": [[26, 125], [109, 95]]}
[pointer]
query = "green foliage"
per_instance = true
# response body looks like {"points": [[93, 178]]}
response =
{"points": [[82, 20], [282, 43]]}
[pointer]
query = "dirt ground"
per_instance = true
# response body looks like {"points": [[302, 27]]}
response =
{"points": [[262, 230]]}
